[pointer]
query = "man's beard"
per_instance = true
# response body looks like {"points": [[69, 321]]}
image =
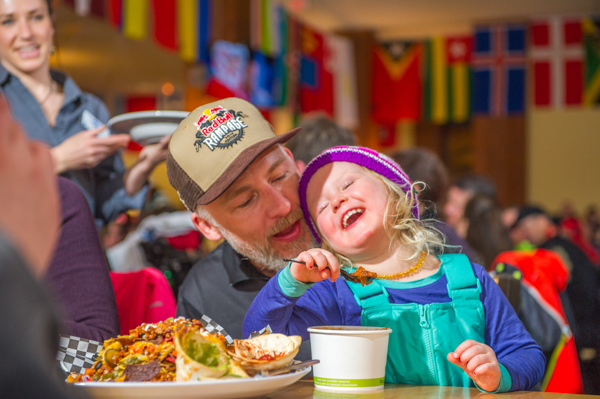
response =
{"points": [[262, 254]]}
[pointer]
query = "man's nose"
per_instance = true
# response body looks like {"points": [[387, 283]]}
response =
{"points": [[278, 203]]}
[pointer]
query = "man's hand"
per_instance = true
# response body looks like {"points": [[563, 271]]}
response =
{"points": [[320, 265], [479, 362], [29, 201], [84, 150]]}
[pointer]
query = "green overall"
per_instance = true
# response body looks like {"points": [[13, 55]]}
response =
{"points": [[423, 335]]}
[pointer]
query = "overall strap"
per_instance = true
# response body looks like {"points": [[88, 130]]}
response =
{"points": [[369, 296], [461, 278]]}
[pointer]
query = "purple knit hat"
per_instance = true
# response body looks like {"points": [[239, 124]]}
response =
{"points": [[366, 157]]}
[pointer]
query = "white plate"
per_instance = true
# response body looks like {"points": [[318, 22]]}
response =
{"points": [[147, 127], [213, 389]]}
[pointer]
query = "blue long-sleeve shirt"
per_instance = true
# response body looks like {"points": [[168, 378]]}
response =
{"points": [[327, 303], [102, 185]]}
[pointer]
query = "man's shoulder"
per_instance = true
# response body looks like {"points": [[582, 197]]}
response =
{"points": [[213, 258]]}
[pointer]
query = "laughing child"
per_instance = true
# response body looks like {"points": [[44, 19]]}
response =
{"points": [[451, 324]]}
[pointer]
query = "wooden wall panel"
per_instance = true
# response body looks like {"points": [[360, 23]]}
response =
{"points": [[500, 151]]}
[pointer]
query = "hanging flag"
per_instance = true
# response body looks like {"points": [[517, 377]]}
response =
{"points": [[135, 18], [316, 80], [261, 81], [447, 79], [204, 30], [396, 82], [344, 81], [194, 29], [557, 61], [292, 62], [591, 30], [165, 19], [229, 68], [280, 78], [114, 8], [498, 65], [187, 13], [459, 50]]}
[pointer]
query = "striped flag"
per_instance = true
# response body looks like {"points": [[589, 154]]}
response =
{"points": [[556, 56], [114, 8], [316, 80], [591, 30], [194, 29], [165, 19], [447, 79], [498, 65], [396, 82], [135, 19], [282, 70]]}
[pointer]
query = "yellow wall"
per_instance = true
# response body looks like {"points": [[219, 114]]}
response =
{"points": [[564, 158]]}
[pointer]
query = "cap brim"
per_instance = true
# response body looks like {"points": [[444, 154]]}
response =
{"points": [[240, 164]]}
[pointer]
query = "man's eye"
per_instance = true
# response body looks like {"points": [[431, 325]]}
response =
{"points": [[283, 176], [6, 21], [246, 203]]}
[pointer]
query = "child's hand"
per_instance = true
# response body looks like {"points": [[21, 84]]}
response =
{"points": [[320, 265], [479, 362]]}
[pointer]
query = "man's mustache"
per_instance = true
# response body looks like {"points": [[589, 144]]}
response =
{"points": [[286, 222]]}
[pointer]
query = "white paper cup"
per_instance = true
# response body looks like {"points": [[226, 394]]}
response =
{"points": [[352, 358]]}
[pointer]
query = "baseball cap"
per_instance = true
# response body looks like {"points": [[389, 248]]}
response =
{"points": [[214, 145]]}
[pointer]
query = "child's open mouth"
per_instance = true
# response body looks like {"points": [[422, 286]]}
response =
{"points": [[351, 217]]}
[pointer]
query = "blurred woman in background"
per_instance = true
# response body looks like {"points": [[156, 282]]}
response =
{"points": [[51, 108]]}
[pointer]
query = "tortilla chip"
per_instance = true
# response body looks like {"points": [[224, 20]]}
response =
{"points": [[141, 372]]}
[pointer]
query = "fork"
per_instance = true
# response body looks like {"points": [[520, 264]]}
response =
{"points": [[347, 276]]}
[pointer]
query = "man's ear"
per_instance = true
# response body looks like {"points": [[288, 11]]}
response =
{"points": [[299, 164], [206, 228]]}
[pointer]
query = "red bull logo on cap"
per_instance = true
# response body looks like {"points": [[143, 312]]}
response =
{"points": [[219, 128]]}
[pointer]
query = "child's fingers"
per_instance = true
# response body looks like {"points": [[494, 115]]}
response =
{"points": [[306, 258], [471, 352], [476, 361], [455, 360], [320, 260], [463, 347], [483, 368], [334, 266]]}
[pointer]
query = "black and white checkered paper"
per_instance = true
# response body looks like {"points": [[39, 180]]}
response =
{"points": [[264, 330], [212, 326], [76, 354]]}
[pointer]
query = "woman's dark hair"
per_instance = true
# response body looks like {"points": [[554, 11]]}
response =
{"points": [[49, 4], [486, 234]]}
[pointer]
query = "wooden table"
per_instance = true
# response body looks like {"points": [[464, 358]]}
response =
{"points": [[305, 389]]}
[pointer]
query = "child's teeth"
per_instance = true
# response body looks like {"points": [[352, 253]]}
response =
{"points": [[347, 216]]}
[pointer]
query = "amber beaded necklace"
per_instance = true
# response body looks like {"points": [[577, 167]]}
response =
{"points": [[405, 273]]}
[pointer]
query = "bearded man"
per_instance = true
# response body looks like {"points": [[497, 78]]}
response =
{"points": [[232, 172]]}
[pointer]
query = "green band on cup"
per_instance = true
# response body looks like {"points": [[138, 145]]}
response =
{"points": [[342, 383]]}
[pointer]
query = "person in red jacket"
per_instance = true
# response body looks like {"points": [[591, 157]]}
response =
{"points": [[544, 277]]}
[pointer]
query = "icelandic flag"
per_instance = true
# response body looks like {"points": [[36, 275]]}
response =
{"points": [[499, 69]]}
